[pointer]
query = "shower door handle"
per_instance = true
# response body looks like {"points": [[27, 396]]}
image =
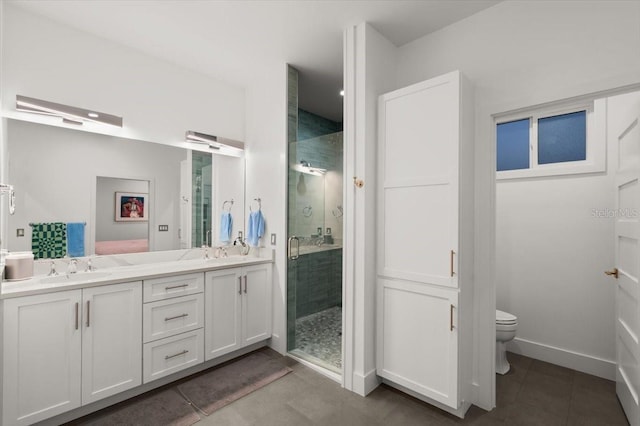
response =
{"points": [[290, 247]]}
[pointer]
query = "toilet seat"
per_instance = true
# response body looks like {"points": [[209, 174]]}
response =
{"points": [[505, 318]]}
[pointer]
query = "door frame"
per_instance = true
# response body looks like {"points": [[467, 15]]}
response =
{"points": [[494, 117]]}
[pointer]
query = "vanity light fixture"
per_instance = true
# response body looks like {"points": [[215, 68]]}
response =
{"points": [[222, 146], [69, 114]]}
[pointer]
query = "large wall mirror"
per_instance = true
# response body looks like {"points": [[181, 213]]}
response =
{"points": [[133, 196]]}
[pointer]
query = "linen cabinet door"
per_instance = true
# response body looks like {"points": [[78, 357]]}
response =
{"points": [[111, 340], [42, 356], [418, 182], [418, 338], [223, 312]]}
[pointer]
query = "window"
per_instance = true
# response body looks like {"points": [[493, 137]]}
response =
{"points": [[547, 142]]}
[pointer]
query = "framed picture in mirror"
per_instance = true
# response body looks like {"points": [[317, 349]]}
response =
{"points": [[131, 207]]}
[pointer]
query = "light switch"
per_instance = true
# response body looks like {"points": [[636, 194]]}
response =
{"points": [[20, 232], [163, 228], [273, 239]]}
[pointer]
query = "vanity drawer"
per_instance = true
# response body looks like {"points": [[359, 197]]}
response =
{"points": [[174, 286], [166, 318], [170, 355]]}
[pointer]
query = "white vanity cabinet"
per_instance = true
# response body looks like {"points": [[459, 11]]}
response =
{"points": [[425, 240], [111, 340], [238, 308], [69, 348], [173, 324]]}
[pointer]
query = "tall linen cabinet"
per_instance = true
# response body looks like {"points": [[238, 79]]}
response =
{"points": [[425, 241]]}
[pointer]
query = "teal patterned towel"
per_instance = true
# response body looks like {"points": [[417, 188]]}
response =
{"points": [[49, 240]]}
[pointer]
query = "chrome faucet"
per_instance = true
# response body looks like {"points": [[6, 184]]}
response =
{"points": [[73, 266], [52, 269], [244, 250], [90, 267], [205, 252], [220, 252]]}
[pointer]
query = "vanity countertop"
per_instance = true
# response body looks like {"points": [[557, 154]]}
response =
{"points": [[133, 272]]}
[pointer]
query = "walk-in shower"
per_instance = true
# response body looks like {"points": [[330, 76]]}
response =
{"points": [[314, 272]]}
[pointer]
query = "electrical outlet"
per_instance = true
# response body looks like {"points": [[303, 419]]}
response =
{"points": [[163, 228], [20, 232], [273, 239], [240, 234]]}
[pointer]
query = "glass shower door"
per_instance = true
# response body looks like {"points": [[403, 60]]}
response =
{"points": [[314, 265]]}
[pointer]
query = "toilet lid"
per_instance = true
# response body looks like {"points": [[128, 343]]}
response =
{"points": [[505, 318]]}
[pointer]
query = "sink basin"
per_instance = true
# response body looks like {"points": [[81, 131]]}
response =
{"points": [[81, 277]]}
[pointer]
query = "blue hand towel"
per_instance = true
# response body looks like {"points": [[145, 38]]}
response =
{"points": [[226, 225], [75, 239], [255, 227]]}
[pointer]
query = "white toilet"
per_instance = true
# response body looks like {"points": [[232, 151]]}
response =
{"points": [[506, 326]]}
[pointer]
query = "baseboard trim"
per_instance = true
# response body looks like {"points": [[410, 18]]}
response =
{"points": [[365, 384], [564, 357]]}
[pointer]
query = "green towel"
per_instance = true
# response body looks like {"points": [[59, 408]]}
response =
{"points": [[49, 240]]}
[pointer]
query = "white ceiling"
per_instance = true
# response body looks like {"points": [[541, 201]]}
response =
{"points": [[232, 40]]}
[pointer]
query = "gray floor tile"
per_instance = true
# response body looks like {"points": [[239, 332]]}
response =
{"points": [[595, 406], [558, 372], [522, 414], [547, 392], [533, 393]]}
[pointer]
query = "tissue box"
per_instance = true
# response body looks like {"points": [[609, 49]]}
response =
{"points": [[18, 265]]}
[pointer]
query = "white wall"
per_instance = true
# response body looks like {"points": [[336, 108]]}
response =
{"points": [[159, 101], [54, 171], [369, 72], [266, 162], [518, 54]]}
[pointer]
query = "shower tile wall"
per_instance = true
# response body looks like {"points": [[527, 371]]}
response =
{"points": [[319, 283], [311, 125], [292, 104], [324, 194]]}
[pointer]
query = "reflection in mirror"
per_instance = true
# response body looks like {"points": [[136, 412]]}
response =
{"points": [[202, 175], [122, 211], [56, 172]]}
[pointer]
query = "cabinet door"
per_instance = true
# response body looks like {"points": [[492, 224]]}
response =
{"points": [[418, 182], [223, 292], [418, 338], [112, 340], [256, 306], [42, 344]]}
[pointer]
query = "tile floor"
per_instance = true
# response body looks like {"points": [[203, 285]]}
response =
{"points": [[319, 336], [532, 393]]}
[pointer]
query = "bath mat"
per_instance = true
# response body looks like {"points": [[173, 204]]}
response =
{"points": [[215, 389], [163, 408]]}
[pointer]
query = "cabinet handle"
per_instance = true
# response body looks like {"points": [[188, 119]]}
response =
{"points": [[175, 355], [88, 313], [245, 284], [171, 287], [451, 318], [239, 285], [176, 317], [451, 268], [77, 313]]}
